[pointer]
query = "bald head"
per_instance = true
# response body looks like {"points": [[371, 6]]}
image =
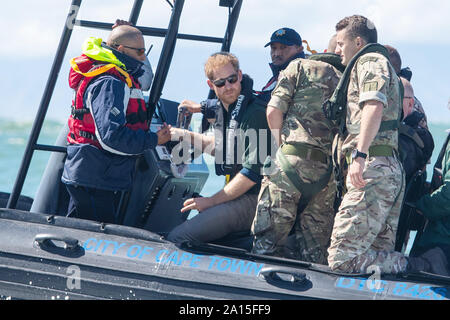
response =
{"points": [[123, 34], [408, 97], [128, 40], [332, 44]]}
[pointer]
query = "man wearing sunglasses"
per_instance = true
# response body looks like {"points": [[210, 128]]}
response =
{"points": [[415, 141], [108, 126], [285, 46], [240, 145]]}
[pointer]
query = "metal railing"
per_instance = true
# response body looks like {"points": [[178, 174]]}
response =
{"points": [[170, 34]]}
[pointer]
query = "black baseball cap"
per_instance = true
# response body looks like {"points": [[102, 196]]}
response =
{"points": [[286, 36]]}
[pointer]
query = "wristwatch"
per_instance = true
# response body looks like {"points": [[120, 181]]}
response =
{"points": [[357, 154], [203, 107]]}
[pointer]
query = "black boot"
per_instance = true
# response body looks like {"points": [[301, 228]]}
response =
{"points": [[433, 261]]}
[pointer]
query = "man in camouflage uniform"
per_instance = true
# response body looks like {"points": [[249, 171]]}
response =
{"points": [[306, 137], [366, 223]]}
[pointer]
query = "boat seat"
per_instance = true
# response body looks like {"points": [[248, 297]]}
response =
{"points": [[409, 219], [51, 196]]}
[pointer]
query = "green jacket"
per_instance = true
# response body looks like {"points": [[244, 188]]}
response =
{"points": [[254, 120], [253, 142], [436, 208]]}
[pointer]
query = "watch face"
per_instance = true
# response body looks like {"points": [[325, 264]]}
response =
{"points": [[357, 154]]}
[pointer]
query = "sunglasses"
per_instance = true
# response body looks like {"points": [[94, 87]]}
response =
{"points": [[219, 83], [140, 51]]}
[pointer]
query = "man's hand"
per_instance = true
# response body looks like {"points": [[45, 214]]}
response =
{"points": [[163, 134], [177, 133], [199, 204], [191, 106], [370, 124], [355, 173], [275, 119]]}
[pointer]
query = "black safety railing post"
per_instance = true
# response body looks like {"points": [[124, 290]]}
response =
{"points": [[231, 27], [165, 58], [135, 11], [227, 39], [45, 101]]}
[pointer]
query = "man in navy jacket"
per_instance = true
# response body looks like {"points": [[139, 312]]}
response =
{"points": [[108, 127]]}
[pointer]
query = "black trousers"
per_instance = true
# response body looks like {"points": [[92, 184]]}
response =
{"points": [[93, 204], [446, 249]]}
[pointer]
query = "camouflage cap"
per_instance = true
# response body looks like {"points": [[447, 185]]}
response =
{"points": [[285, 36]]}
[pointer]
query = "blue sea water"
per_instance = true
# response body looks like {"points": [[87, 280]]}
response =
{"points": [[14, 136]]}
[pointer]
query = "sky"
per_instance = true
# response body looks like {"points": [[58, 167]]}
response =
{"points": [[31, 31]]}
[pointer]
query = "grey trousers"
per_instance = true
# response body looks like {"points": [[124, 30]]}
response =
{"points": [[217, 222]]}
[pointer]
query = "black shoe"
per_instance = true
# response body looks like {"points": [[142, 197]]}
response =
{"points": [[418, 264], [433, 261]]}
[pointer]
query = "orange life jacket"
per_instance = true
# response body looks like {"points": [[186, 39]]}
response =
{"points": [[81, 122]]}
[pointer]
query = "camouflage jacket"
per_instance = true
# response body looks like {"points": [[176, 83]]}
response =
{"points": [[372, 78], [301, 90]]}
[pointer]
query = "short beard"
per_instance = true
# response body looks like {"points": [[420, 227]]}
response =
{"points": [[228, 100]]}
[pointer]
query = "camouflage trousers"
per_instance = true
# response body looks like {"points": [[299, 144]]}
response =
{"points": [[366, 224], [276, 214]]}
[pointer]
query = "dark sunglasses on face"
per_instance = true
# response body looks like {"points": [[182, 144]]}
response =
{"points": [[219, 83], [140, 51]]}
